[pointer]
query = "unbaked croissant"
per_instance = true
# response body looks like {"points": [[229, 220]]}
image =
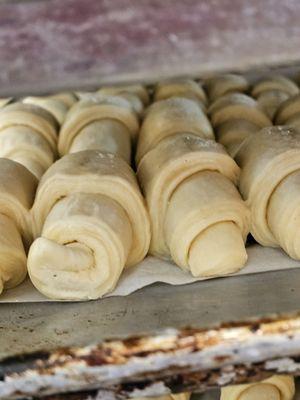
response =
{"points": [[272, 91], [68, 98], [198, 217], [186, 88], [278, 387], [137, 98], [235, 117], [28, 135], [92, 221], [5, 101], [106, 123], [270, 182], [220, 85], [289, 112], [17, 189], [168, 117], [138, 90], [57, 108]]}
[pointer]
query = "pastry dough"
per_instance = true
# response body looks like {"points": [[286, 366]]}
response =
{"points": [[181, 396], [275, 82], [218, 86], [17, 189], [168, 117], [192, 201], [278, 387], [270, 100], [54, 106], [28, 135], [270, 164], [138, 90], [287, 110], [109, 136], [135, 101], [237, 106], [272, 91], [90, 111], [4, 102], [186, 88], [68, 98], [92, 221], [233, 133]]}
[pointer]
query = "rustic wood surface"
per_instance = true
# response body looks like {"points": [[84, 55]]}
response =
{"points": [[53, 44]]}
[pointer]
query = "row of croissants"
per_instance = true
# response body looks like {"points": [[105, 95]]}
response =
{"points": [[185, 178], [277, 387]]}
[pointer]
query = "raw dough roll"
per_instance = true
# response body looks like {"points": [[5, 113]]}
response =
{"points": [[277, 82], [67, 98], [57, 108], [17, 189], [287, 110], [138, 90], [4, 102], [233, 133], [28, 147], [186, 88], [167, 117], [90, 111], [182, 177], [218, 86], [278, 387], [135, 101], [272, 91], [269, 182], [92, 221], [28, 135], [109, 136], [236, 106]]}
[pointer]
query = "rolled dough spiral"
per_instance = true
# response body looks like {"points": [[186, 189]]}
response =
{"points": [[278, 387], [92, 222], [28, 135]]}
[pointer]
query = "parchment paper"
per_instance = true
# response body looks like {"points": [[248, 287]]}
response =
{"points": [[151, 270]]}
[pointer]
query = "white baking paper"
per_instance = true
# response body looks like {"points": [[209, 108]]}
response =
{"points": [[151, 270]]}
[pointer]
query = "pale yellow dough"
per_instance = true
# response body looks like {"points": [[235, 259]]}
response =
{"points": [[237, 106], [287, 110], [275, 82], [28, 135], [270, 164], [33, 117], [17, 189], [5, 101], [92, 221], [109, 136], [67, 98], [92, 110], [271, 92], [138, 90], [186, 88], [182, 177], [270, 100], [218, 86], [53, 105], [278, 387], [233, 133], [167, 117]]}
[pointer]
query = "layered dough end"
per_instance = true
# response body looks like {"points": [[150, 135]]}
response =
{"points": [[278, 387]]}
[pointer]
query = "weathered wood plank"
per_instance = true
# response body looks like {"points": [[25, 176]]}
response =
{"points": [[54, 44]]}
